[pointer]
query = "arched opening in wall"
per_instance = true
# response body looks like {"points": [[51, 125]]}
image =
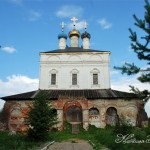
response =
{"points": [[73, 111], [112, 116], [74, 114], [94, 117]]}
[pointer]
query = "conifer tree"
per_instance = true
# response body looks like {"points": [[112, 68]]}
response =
{"points": [[41, 118], [141, 46]]}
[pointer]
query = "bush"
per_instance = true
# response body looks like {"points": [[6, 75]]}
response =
{"points": [[123, 127], [139, 134]]}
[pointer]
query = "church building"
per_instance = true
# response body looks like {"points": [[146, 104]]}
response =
{"points": [[76, 81]]}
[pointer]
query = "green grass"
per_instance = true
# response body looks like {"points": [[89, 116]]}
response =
{"points": [[105, 137], [96, 137], [16, 142]]}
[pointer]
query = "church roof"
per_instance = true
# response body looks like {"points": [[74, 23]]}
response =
{"points": [[88, 94], [73, 49]]}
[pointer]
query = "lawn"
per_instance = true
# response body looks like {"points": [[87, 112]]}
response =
{"points": [[16, 142], [130, 138], [97, 137]]}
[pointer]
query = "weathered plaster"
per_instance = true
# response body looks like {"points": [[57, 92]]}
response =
{"points": [[17, 111]]}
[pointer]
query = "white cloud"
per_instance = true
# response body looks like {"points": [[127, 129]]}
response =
{"points": [[34, 15], [15, 84], [69, 11], [122, 83], [104, 23], [8, 49]]}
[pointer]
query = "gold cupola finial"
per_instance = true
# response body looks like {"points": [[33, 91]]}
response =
{"points": [[74, 32]]}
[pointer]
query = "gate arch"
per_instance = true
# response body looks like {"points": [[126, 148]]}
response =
{"points": [[73, 111]]}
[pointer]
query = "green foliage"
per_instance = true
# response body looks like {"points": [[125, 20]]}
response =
{"points": [[67, 127], [147, 129], [97, 137], [144, 95], [141, 46], [139, 133], [16, 142], [144, 78], [129, 69], [41, 118], [124, 126]]}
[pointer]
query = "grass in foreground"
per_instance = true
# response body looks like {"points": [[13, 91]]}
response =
{"points": [[96, 137], [16, 142], [106, 137]]}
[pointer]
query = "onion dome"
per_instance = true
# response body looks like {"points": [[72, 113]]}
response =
{"points": [[85, 34], [62, 35], [74, 32]]}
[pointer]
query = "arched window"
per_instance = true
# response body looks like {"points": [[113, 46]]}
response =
{"points": [[93, 111], [95, 76], [112, 116], [74, 77], [53, 77]]}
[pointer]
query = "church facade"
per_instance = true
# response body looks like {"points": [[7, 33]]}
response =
{"points": [[76, 81]]}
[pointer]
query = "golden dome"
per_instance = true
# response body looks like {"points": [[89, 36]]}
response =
{"points": [[74, 32]]}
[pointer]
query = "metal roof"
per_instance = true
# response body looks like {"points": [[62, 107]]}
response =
{"points": [[88, 94], [72, 50]]}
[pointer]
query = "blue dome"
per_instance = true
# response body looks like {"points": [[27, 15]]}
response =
{"points": [[62, 35], [85, 34]]}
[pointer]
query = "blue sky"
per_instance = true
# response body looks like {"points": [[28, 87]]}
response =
{"points": [[28, 27]]}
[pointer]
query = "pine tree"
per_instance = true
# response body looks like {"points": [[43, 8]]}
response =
{"points": [[141, 46], [41, 118]]}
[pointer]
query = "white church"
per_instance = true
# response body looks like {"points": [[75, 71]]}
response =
{"points": [[76, 80]]}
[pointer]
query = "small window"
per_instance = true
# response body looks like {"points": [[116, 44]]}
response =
{"points": [[95, 79], [74, 79], [53, 79]]}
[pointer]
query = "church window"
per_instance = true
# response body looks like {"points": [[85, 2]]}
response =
{"points": [[53, 79], [95, 81], [95, 78], [74, 79], [53, 74]]}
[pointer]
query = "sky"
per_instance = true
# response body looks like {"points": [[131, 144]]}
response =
{"points": [[28, 27]]}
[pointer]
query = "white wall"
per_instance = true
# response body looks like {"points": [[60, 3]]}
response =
{"points": [[83, 62]]}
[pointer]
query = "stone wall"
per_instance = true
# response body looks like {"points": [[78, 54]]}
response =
{"points": [[17, 113], [94, 112]]}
